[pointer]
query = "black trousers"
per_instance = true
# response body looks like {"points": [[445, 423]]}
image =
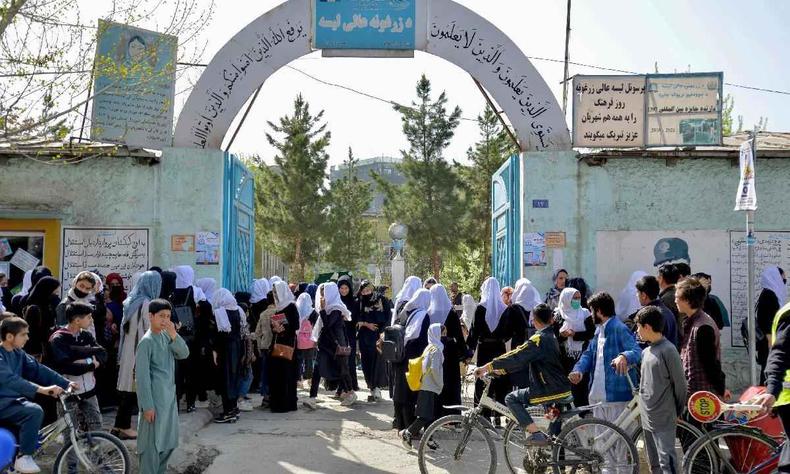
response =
{"points": [[127, 406], [369, 359]]}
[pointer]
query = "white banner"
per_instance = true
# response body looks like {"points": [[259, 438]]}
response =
{"points": [[746, 198]]}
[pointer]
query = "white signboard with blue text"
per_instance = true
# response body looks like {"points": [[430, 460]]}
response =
{"points": [[134, 83], [364, 24]]}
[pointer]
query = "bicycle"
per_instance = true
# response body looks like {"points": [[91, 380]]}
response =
{"points": [[463, 443], [82, 452], [730, 447]]}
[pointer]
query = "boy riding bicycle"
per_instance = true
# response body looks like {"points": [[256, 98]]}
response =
{"points": [[21, 377], [547, 380]]}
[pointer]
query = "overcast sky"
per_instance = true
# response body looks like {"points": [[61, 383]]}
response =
{"points": [[747, 41]]}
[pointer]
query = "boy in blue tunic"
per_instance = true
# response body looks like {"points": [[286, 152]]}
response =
{"points": [[157, 430], [21, 378]]}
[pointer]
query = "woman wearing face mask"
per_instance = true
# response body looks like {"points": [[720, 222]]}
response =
{"points": [[372, 319], [82, 289], [575, 327], [559, 278], [772, 297], [344, 286]]}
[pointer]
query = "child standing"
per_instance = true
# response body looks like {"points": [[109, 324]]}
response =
{"points": [[155, 365], [662, 391], [432, 383]]}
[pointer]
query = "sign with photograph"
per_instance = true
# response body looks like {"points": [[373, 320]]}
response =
{"points": [[534, 249], [207, 248]]}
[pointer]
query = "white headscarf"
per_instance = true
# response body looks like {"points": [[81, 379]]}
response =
{"points": [[319, 324], [185, 277], [771, 279], [27, 283], [572, 319], [260, 288], [526, 295], [434, 338], [208, 286], [440, 304], [274, 279], [411, 285], [419, 303], [333, 302], [282, 295], [628, 301], [304, 304], [470, 306], [222, 303], [491, 300]]}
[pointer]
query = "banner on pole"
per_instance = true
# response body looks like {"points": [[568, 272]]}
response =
{"points": [[746, 198]]}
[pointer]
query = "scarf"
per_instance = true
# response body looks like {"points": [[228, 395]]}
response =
{"points": [[116, 277], [304, 305], [470, 305], [319, 324], [434, 339], [440, 304], [282, 295], [628, 301], [260, 290], [491, 300], [222, 303], [147, 288], [185, 277], [525, 295], [27, 283], [208, 286], [411, 285], [771, 279], [418, 306], [572, 319]]}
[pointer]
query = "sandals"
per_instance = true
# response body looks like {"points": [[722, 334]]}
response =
{"points": [[121, 435]]}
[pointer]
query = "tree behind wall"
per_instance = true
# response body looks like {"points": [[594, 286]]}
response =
{"points": [[291, 194], [486, 156], [349, 235], [429, 202]]}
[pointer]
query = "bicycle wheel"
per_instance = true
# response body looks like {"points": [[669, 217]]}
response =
{"points": [[593, 446], [456, 444], [685, 436], [731, 450], [523, 459], [105, 451]]}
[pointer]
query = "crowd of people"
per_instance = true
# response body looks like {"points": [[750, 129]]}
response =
{"points": [[175, 343]]}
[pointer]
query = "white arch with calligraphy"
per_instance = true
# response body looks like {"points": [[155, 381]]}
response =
{"points": [[454, 33]]}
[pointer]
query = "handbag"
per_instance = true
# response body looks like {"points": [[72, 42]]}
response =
{"points": [[342, 351], [282, 351]]}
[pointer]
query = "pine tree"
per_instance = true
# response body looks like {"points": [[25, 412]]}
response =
{"points": [[486, 156], [349, 238], [429, 202], [291, 194]]}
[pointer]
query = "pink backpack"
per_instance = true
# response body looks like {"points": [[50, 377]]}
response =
{"points": [[304, 337]]}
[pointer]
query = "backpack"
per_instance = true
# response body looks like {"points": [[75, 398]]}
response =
{"points": [[415, 373], [393, 348], [304, 338], [183, 313]]}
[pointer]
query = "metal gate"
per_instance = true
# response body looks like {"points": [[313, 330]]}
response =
{"points": [[506, 222], [239, 225]]}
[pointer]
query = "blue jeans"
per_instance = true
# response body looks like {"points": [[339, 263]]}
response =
{"points": [[264, 375], [27, 416], [244, 384], [517, 402]]}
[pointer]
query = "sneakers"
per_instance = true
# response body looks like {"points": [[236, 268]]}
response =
{"points": [[309, 403], [191, 408], [405, 439], [26, 464], [376, 392], [245, 405], [537, 439], [226, 418], [348, 399]]}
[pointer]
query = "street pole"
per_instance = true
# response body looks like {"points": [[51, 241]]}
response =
{"points": [[750, 243], [567, 59]]}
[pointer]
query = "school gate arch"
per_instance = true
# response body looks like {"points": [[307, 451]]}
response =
{"points": [[443, 28]]}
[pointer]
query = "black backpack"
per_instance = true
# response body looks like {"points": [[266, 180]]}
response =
{"points": [[184, 314], [393, 348]]}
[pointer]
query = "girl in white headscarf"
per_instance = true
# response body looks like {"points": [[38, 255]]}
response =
{"points": [[772, 297], [411, 285], [305, 346], [468, 314], [488, 335], [525, 298], [628, 301], [415, 321], [432, 383], [576, 328], [262, 305], [454, 351], [228, 350], [282, 371], [207, 285]]}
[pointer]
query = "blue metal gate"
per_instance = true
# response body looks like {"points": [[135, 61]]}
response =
{"points": [[506, 221], [239, 225]]}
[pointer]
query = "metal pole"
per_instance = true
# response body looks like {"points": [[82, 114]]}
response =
{"points": [[498, 114], [243, 118], [85, 111], [750, 242], [567, 59]]}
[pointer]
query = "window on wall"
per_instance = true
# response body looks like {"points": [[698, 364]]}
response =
{"points": [[10, 243]]}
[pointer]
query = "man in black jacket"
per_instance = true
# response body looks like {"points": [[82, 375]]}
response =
{"points": [[547, 379], [74, 352]]}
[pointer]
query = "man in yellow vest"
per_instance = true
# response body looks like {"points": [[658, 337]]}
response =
{"points": [[777, 377]]}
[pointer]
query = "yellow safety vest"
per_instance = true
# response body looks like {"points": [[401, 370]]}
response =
{"points": [[784, 395]]}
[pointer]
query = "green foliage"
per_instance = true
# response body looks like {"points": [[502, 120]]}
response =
{"points": [[726, 115], [429, 202], [349, 235], [290, 195], [463, 266]]}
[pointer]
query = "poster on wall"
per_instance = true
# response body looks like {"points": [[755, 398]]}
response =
{"points": [[5, 268], [684, 109], [125, 251], [207, 248], [24, 261], [364, 24], [182, 243], [5, 248], [534, 249], [134, 81], [608, 111]]}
